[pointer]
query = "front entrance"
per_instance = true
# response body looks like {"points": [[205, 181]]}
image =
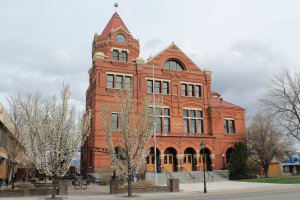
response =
{"points": [[187, 162], [150, 160], [150, 163], [169, 162]]}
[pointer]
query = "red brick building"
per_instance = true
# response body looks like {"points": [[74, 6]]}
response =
{"points": [[191, 112]]}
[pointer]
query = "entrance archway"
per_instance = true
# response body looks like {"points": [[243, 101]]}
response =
{"points": [[205, 155], [189, 159], [170, 161], [150, 160]]}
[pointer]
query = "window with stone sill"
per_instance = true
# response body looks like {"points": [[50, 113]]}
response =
{"points": [[193, 121], [191, 90], [119, 81], [163, 122], [160, 87], [229, 126]]}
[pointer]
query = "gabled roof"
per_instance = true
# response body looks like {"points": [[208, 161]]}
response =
{"points": [[114, 23], [217, 102], [173, 47]]}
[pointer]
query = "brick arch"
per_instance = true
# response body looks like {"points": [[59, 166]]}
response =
{"points": [[209, 147], [174, 58], [177, 58], [158, 146], [186, 145], [226, 147], [190, 148], [171, 144]]}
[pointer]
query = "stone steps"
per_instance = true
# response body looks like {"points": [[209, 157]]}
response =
{"points": [[187, 177]]}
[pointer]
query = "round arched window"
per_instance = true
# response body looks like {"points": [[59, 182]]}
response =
{"points": [[173, 65]]}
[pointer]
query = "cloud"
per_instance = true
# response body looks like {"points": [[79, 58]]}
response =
{"points": [[241, 73], [153, 43], [31, 67]]}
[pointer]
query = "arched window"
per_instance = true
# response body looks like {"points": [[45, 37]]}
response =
{"points": [[173, 65]]}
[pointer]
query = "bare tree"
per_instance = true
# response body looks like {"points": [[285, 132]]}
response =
{"points": [[132, 134], [15, 144], [265, 140], [53, 134], [283, 99]]}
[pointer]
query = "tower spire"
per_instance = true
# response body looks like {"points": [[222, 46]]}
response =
{"points": [[114, 23]]}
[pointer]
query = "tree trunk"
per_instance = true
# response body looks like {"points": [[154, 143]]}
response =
{"points": [[12, 176], [129, 186], [266, 169], [54, 188]]}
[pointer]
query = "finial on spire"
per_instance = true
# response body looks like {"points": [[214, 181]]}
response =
{"points": [[116, 5]]}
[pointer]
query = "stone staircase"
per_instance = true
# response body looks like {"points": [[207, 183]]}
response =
{"points": [[188, 176]]}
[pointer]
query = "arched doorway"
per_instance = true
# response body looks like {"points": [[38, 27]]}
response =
{"points": [[228, 155], [189, 159], [150, 160], [205, 155], [170, 161]]}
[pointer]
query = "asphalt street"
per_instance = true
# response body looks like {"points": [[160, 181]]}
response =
{"points": [[293, 194]]}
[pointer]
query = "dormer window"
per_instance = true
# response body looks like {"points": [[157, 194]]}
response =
{"points": [[173, 65], [119, 55]]}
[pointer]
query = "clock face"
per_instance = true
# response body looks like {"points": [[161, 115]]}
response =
{"points": [[120, 38]]}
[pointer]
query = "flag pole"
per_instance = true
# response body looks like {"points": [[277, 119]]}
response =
{"points": [[154, 131]]}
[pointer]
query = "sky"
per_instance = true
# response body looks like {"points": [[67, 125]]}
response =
{"points": [[45, 44]]}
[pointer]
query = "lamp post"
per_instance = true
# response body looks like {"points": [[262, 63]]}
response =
{"points": [[202, 146], [223, 156]]}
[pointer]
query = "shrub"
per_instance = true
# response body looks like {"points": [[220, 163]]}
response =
{"points": [[254, 168], [105, 178], [25, 185], [140, 183], [238, 168]]}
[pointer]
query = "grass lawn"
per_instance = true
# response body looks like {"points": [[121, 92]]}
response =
{"points": [[281, 180]]}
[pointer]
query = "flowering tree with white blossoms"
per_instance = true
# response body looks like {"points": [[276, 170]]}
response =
{"points": [[53, 133], [132, 136]]}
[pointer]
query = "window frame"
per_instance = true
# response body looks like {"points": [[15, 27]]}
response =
{"points": [[124, 58], [115, 126], [110, 82], [124, 84], [191, 89], [163, 117], [115, 57], [119, 82], [184, 91], [178, 66], [227, 122], [166, 89], [192, 123], [158, 87]]}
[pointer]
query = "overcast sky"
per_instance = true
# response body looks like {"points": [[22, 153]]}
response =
{"points": [[44, 44]]}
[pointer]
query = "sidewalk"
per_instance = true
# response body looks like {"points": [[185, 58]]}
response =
{"points": [[96, 192]]}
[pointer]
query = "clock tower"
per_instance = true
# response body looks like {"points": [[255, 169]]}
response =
{"points": [[116, 42]]}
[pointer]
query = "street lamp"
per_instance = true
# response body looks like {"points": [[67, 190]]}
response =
{"points": [[202, 146], [223, 156]]}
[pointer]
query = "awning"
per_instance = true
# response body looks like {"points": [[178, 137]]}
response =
{"points": [[3, 155]]}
